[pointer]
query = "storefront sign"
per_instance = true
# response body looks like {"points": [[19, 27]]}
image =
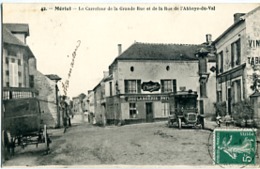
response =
{"points": [[150, 86], [147, 98], [254, 60]]}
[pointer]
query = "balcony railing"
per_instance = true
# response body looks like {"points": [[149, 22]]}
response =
{"points": [[18, 92]]}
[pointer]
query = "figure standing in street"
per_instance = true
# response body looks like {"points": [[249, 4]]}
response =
{"points": [[65, 113]]}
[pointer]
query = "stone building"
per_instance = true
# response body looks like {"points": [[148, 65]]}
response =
{"points": [[21, 79], [142, 77], [238, 61]]}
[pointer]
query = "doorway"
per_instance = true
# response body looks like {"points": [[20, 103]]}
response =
{"points": [[149, 112]]}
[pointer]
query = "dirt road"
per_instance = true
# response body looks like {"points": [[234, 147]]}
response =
{"points": [[138, 144]]}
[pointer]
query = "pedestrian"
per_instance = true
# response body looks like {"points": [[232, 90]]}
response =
{"points": [[65, 113]]}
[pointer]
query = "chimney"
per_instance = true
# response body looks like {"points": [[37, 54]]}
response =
{"points": [[237, 16], [208, 38], [119, 49]]}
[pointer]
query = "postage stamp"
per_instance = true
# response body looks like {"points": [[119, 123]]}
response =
{"points": [[234, 146]]}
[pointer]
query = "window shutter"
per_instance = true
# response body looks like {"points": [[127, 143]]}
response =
{"points": [[232, 54], [162, 86], [222, 66], [126, 86], [138, 86], [238, 52], [239, 90], [174, 86]]}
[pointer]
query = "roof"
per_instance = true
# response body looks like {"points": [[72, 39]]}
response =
{"points": [[18, 28], [53, 77], [235, 24], [9, 38], [149, 51]]}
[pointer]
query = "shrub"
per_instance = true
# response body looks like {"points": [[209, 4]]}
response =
{"points": [[220, 108], [243, 110]]}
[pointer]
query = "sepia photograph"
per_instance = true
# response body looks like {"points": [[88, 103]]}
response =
{"points": [[116, 85]]}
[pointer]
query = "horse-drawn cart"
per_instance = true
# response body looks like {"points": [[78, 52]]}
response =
{"points": [[22, 125]]}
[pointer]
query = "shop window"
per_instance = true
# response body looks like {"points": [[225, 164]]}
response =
{"points": [[235, 53], [132, 110], [168, 86], [165, 109], [132, 86]]}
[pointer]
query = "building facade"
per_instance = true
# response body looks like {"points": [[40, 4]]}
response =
{"points": [[15, 62], [21, 79], [142, 77], [238, 66]]}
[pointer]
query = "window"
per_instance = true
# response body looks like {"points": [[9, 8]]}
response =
{"points": [[168, 86], [31, 81], [132, 86], [19, 74], [203, 89], [13, 74], [132, 68], [7, 72], [13, 60], [132, 110], [19, 61], [220, 62], [20, 84], [236, 88], [7, 84], [7, 60], [167, 68], [219, 96], [235, 53], [165, 109]]}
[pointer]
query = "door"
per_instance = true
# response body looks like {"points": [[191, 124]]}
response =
{"points": [[149, 112], [229, 100], [201, 107]]}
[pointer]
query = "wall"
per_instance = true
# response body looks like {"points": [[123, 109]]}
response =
{"points": [[252, 33], [186, 73], [47, 95]]}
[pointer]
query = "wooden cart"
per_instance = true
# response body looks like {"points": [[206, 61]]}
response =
{"points": [[22, 125]]}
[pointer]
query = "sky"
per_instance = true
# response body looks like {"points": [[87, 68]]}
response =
{"points": [[55, 35]]}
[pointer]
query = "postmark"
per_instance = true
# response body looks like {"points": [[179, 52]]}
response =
{"points": [[234, 146]]}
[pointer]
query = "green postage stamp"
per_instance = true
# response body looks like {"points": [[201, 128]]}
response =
{"points": [[235, 146]]}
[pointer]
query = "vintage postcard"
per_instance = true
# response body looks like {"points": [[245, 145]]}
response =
{"points": [[130, 84]]}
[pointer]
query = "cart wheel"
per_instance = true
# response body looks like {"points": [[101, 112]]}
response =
{"points": [[46, 142], [179, 123], [8, 143]]}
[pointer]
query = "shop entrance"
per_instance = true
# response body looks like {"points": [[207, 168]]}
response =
{"points": [[149, 112]]}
